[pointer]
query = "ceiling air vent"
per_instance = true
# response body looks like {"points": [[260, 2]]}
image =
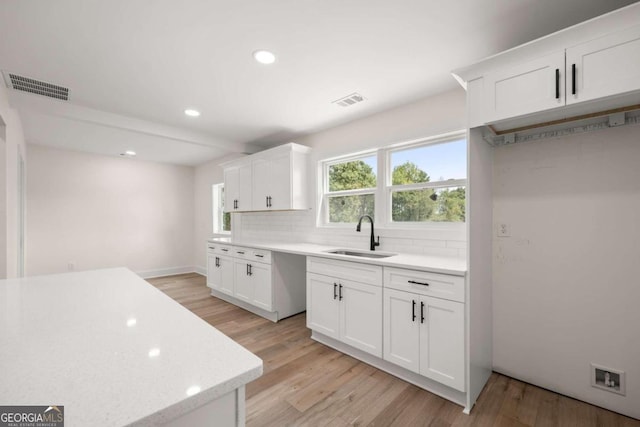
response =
{"points": [[26, 84], [349, 100]]}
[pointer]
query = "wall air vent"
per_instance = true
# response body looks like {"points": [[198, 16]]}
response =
{"points": [[349, 100], [26, 84]]}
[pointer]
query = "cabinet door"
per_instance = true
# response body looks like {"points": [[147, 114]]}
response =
{"points": [[526, 88], [280, 182], [361, 316], [262, 290], [606, 66], [244, 187], [402, 329], [442, 342], [231, 188], [261, 181], [243, 283], [226, 275], [322, 305], [213, 271]]}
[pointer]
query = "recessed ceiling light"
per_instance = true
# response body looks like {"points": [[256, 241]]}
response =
{"points": [[128, 153], [192, 113], [264, 56], [154, 352]]}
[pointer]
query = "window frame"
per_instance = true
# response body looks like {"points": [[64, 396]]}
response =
{"points": [[217, 207], [326, 194], [389, 188], [384, 190]]}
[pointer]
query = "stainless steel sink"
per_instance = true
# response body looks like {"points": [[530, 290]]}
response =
{"points": [[363, 254]]}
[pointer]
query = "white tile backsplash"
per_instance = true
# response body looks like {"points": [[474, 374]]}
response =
{"points": [[300, 226]]}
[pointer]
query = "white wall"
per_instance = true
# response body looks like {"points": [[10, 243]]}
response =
{"points": [[97, 212], [11, 143], [432, 116], [206, 175], [566, 290]]}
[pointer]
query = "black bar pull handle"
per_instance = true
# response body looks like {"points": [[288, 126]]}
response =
{"points": [[413, 310], [335, 290], [270, 205], [557, 83], [421, 312], [573, 79], [260, 256], [250, 270], [240, 252], [217, 262], [340, 292], [413, 282], [225, 250], [247, 269], [267, 200]]}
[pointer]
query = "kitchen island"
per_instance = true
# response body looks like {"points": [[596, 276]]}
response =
{"points": [[114, 351]]}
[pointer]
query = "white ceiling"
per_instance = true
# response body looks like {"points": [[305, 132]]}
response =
{"points": [[132, 67]]}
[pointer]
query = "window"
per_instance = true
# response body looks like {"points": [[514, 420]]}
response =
{"points": [[410, 184], [427, 182], [221, 219], [349, 188]]}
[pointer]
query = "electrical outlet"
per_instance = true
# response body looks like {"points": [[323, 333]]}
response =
{"points": [[504, 230], [608, 379]]}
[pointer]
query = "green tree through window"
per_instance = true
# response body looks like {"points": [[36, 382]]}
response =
{"points": [[353, 175], [424, 204]]}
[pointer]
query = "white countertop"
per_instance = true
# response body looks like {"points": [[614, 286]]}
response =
{"points": [[70, 339], [436, 264]]}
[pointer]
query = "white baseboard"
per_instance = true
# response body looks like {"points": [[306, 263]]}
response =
{"points": [[170, 271], [200, 270]]}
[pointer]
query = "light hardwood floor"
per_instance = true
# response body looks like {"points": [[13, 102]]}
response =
{"points": [[308, 384]]}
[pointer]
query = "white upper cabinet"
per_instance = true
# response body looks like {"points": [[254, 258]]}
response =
{"points": [[237, 188], [277, 180], [603, 67], [588, 69], [526, 88]]}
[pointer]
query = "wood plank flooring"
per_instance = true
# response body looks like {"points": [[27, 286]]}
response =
{"points": [[308, 384]]}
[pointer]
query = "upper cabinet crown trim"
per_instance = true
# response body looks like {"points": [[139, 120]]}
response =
{"points": [[288, 147], [597, 27]]}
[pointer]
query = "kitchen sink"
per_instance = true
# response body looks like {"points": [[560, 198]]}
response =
{"points": [[363, 254]]}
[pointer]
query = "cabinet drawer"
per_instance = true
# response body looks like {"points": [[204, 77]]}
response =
{"points": [[218, 248], [425, 283], [241, 252], [358, 272], [259, 255]]}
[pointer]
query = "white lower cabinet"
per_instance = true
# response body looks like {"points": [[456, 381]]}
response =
{"points": [[425, 335], [344, 309], [253, 283], [323, 310], [361, 316], [271, 285], [219, 269], [220, 273], [442, 342], [395, 314]]}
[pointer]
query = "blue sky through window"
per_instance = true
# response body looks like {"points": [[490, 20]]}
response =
{"points": [[441, 161]]}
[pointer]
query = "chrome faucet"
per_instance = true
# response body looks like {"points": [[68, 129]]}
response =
{"points": [[374, 243]]}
